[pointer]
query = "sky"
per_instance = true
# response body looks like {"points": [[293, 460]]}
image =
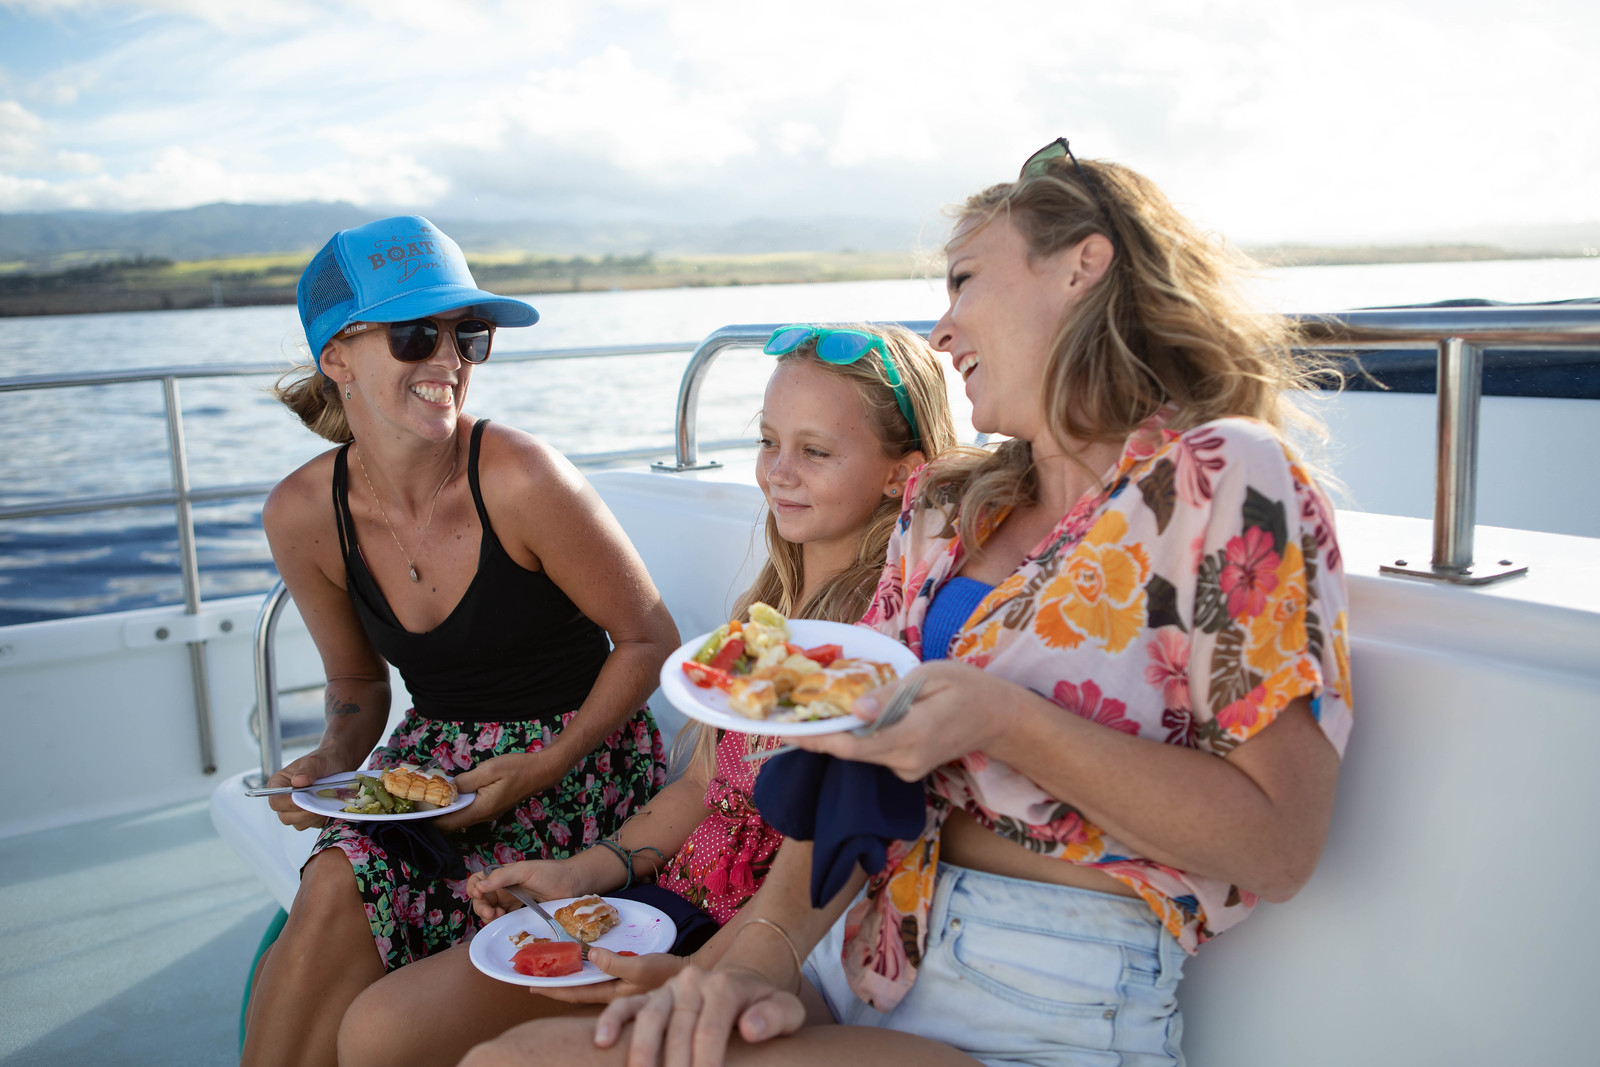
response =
{"points": [[1269, 120]]}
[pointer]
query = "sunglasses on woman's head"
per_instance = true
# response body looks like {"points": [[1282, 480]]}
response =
{"points": [[1039, 163], [416, 340], [842, 347]]}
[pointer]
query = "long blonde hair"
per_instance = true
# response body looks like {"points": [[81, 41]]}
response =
{"points": [[844, 597], [1167, 326]]}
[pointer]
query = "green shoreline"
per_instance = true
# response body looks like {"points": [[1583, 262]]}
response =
{"points": [[158, 285], [147, 284]]}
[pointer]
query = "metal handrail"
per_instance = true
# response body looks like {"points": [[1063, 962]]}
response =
{"points": [[271, 726], [1460, 335], [745, 336], [183, 496]]}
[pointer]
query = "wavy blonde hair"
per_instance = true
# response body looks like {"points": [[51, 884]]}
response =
{"points": [[1166, 326]]}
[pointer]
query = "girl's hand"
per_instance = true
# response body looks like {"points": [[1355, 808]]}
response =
{"points": [[544, 879], [636, 974], [502, 783], [960, 709], [689, 1019]]}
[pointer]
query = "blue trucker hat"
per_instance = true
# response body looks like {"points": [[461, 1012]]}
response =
{"points": [[390, 271]]}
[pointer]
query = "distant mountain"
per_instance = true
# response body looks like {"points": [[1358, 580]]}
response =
{"points": [[43, 239]]}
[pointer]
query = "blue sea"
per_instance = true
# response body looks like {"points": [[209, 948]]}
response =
{"points": [[62, 443]]}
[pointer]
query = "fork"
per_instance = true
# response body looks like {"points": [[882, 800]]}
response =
{"points": [[892, 714], [527, 901]]}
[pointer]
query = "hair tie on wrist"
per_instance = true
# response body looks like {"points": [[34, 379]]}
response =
{"points": [[617, 851], [660, 857]]}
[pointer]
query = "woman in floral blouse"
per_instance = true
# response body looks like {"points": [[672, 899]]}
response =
{"points": [[1136, 686]]}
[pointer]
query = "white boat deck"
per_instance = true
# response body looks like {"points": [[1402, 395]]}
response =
{"points": [[164, 919]]}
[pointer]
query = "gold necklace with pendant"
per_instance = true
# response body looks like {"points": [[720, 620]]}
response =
{"points": [[410, 566]]}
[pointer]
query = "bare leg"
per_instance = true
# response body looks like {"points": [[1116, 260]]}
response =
{"points": [[323, 959], [434, 1010], [570, 1043]]}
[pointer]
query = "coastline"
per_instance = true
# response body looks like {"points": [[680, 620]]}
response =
{"points": [[155, 284], [253, 281]]}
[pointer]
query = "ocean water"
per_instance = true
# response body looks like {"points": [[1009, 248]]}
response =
{"points": [[112, 439]]}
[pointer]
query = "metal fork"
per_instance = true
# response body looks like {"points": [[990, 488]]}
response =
{"points": [[527, 901], [892, 714]]}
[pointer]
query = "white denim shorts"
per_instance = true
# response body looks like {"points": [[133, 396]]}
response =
{"points": [[1020, 972]]}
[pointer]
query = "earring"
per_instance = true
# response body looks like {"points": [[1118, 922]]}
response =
{"points": [[347, 395], [894, 492]]}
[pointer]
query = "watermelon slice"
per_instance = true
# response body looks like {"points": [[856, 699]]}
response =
{"points": [[548, 959]]}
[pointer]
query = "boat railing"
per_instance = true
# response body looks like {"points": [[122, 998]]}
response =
{"points": [[1458, 334], [183, 496]]}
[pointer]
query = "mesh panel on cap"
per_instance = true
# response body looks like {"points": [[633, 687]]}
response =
{"points": [[329, 294]]}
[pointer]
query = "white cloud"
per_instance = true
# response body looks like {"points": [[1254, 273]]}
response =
{"points": [[1272, 119]]}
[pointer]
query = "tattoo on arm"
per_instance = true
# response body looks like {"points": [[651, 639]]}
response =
{"points": [[338, 708]]}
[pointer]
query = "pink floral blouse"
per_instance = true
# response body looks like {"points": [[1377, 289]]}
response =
{"points": [[1189, 603], [727, 857]]}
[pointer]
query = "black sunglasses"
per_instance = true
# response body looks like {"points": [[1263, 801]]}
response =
{"points": [[1039, 163], [417, 339]]}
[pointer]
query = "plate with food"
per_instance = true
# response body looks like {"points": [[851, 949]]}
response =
{"points": [[391, 795], [520, 948], [781, 677]]}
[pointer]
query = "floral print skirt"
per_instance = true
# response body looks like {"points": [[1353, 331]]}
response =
{"points": [[412, 915]]}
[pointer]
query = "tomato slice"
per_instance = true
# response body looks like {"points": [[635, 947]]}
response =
{"points": [[707, 677], [548, 959], [728, 654], [823, 655]]}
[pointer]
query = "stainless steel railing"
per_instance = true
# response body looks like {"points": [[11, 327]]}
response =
{"points": [[1460, 335], [183, 496]]}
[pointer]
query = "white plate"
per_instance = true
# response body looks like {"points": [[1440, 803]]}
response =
{"points": [[710, 706], [641, 929], [333, 808]]}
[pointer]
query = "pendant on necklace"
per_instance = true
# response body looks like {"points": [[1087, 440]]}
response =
{"points": [[414, 577]]}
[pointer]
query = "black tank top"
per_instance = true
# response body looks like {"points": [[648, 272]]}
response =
{"points": [[515, 647]]}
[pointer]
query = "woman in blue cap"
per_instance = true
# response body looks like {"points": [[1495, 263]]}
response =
{"points": [[477, 561]]}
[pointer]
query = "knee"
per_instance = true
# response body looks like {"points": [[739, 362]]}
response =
{"points": [[327, 890], [371, 1030]]}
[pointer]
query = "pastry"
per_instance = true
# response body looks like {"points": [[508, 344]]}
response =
{"points": [[830, 692], [587, 918], [410, 784]]}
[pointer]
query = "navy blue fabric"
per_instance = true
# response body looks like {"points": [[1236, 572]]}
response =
{"points": [[851, 811], [695, 927], [952, 605], [420, 846]]}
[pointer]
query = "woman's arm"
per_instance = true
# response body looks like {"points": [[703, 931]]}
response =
{"points": [[298, 519], [1256, 819], [548, 517], [665, 824]]}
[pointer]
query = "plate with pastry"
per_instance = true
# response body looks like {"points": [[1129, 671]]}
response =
{"points": [[393, 794], [520, 948], [781, 677]]}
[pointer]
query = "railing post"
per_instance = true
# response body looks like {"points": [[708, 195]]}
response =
{"points": [[267, 720], [191, 571], [1455, 490]]}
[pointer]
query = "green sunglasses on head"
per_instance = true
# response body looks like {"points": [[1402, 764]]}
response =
{"points": [[842, 347], [1039, 163]]}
